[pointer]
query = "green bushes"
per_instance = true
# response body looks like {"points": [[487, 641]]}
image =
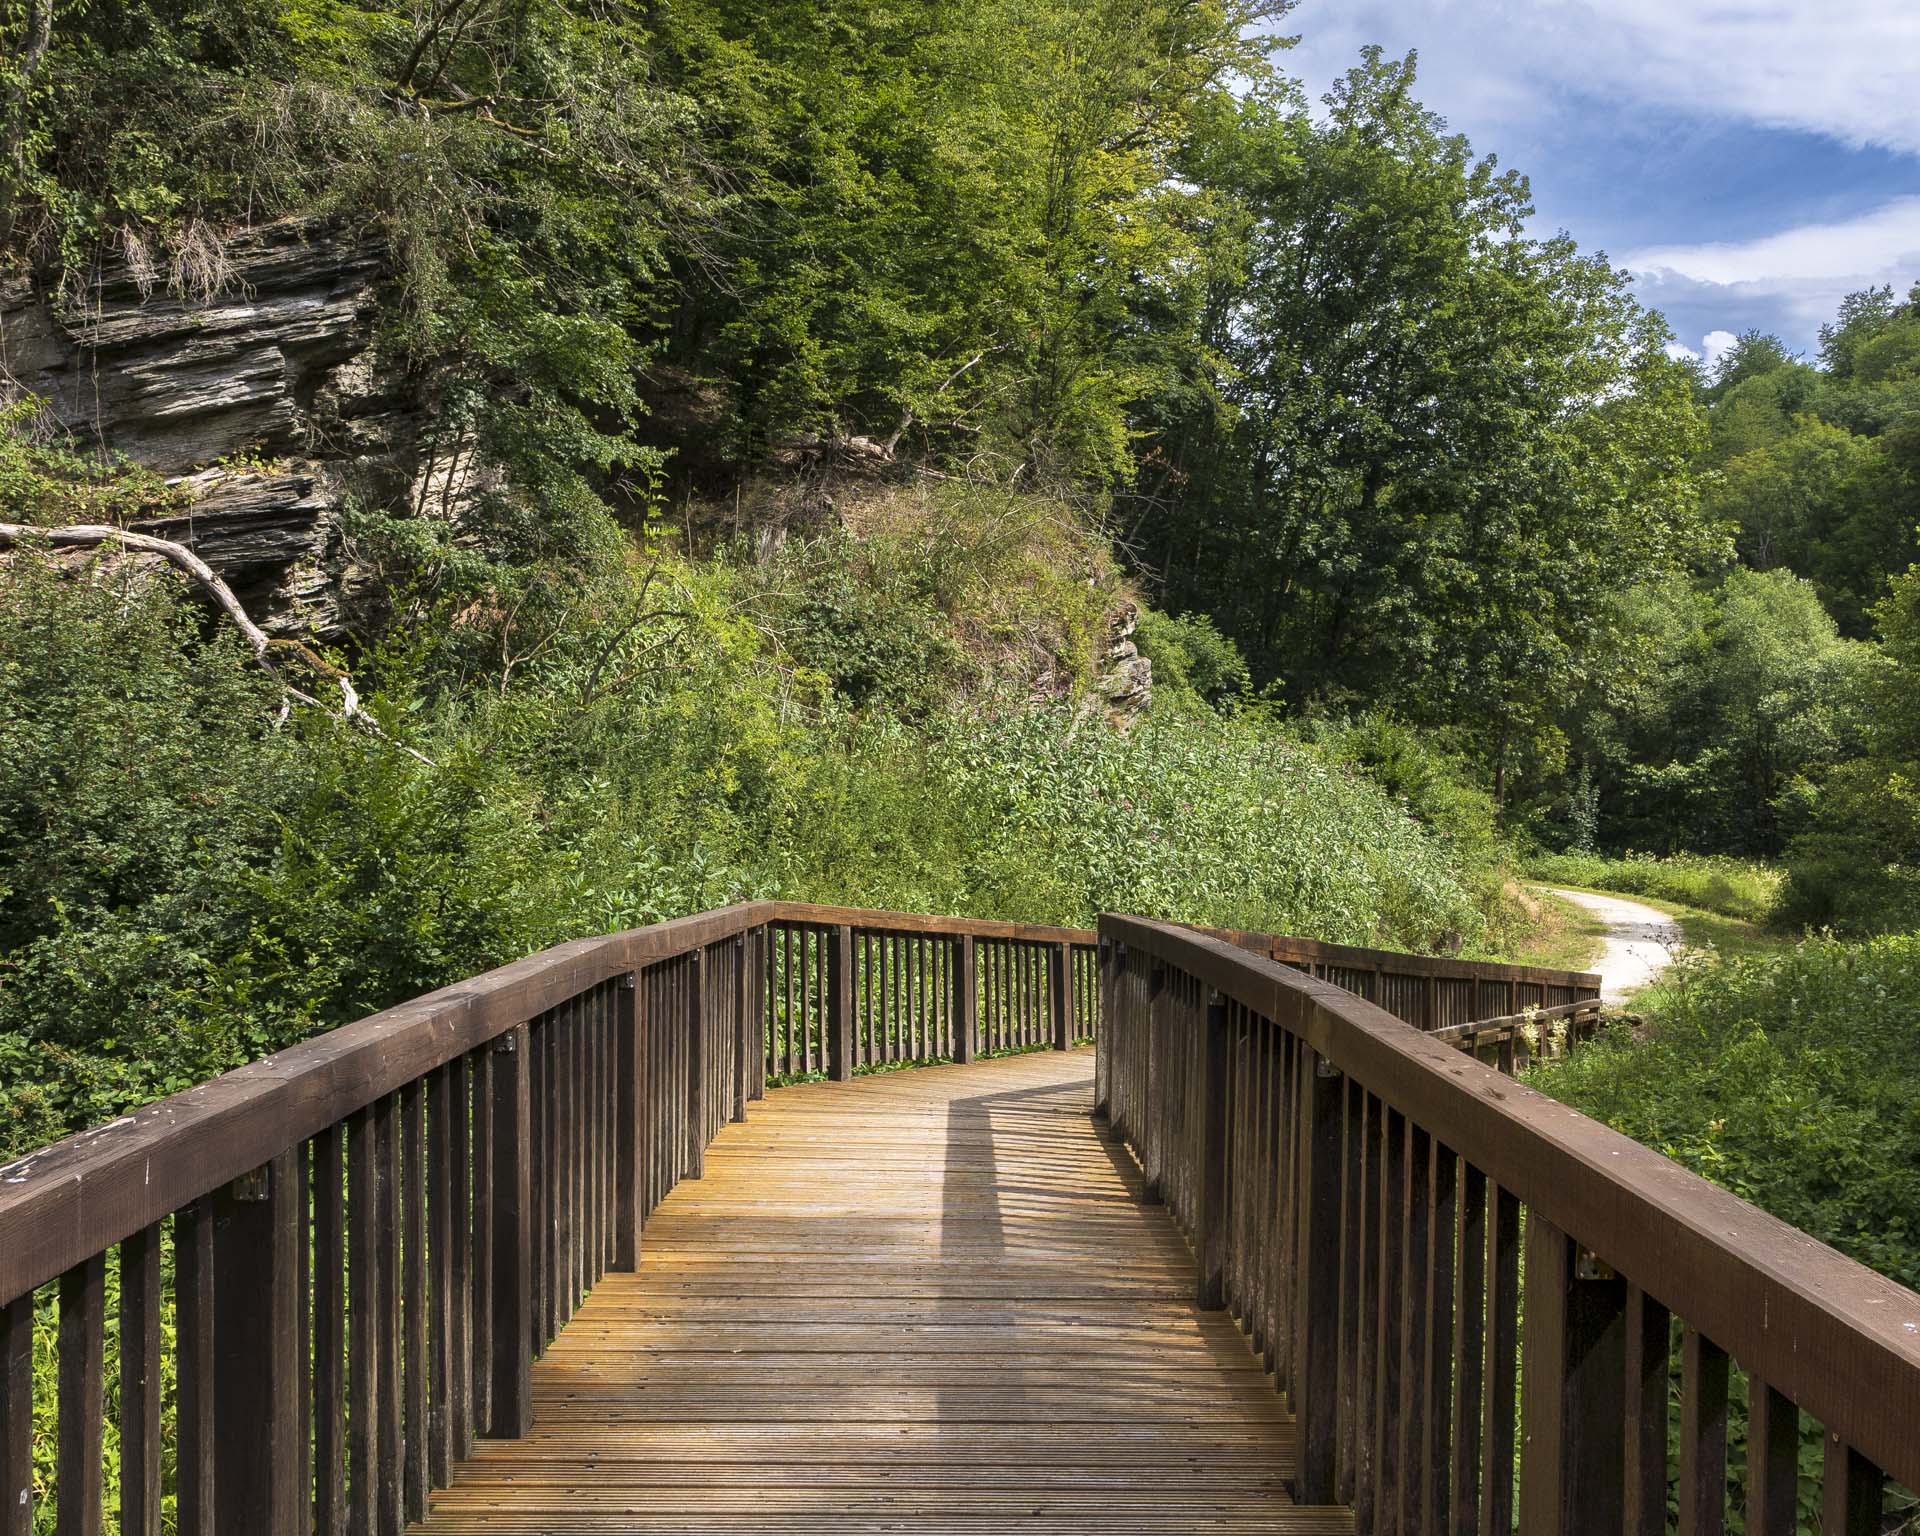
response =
{"points": [[191, 882], [1791, 1080], [1732, 887]]}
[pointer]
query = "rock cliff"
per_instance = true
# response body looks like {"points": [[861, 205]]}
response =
{"points": [[265, 401]]}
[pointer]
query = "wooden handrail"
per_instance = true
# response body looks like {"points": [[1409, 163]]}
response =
{"points": [[410, 1206], [1395, 1230]]}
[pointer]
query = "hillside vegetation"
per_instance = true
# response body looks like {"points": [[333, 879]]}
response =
{"points": [[774, 445], [899, 721]]}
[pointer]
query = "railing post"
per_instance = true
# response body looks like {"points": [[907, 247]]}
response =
{"points": [[840, 1004], [743, 1041], [510, 1129], [1060, 975], [629, 1133], [758, 1020], [1209, 1221], [1573, 1382], [1150, 1135], [966, 1009], [260, 1453], [696, 1026], [1103, 1031], [1851, 1488], [16, 1417], [1316, 1330]]}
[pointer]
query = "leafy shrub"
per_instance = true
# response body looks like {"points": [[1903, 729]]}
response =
{"points": [[1791, 1080], [1193, 663], [189, 883], [1732, 887]]}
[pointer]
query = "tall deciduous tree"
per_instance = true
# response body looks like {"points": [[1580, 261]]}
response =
{"points": [[1446, 438]]}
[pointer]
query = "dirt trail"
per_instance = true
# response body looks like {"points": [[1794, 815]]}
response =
{"points": [[1641, 941]]}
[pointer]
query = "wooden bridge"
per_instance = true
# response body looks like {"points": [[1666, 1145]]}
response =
{"points": [[1287, 1249]]}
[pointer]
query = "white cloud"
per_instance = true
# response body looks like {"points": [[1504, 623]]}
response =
{"points": [[1716, 344], [1886, 239], [1842, 68], [1713, 346], [1801, 274]]}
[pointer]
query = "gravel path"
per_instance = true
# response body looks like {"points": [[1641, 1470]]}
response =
{"points": [[1641, 942]]}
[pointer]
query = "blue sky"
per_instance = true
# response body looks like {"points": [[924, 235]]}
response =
{"points": [[1750, 161]]}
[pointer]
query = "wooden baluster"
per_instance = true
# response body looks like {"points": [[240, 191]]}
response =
{"points": [[140, 1383], [1703, 1436], [1503, 1363], [610, 1110], [256, 1411], [329, 1333], [1415, 1256], [1316, 1357], [966, 984], [692, 1028], [510, 1342], [82, 1402], [440, 1291], [305, 1297], [1107, 969], [1441, 1344], [413, 1299], [1356, 1285], [16, 1417], [542, 1181], [387, 1408], [1060, 997], [1649, 1359], [760, 1022], [480, 1310], [364, 1381], [562, 1035], [1773, 1462], [630, 1131], [1851, 1492], [1387, 1367], [1574, 1385], [1470, 1336], [743, 1043], [840, 1004]]}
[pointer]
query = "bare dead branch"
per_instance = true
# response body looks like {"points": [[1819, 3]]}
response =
{"points": [[209, 584]]}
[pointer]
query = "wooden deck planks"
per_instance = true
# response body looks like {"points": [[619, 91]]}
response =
{"points": [[925, 1300]]}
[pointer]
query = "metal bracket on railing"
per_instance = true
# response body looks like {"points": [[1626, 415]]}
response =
{"points": [[508, 1043], [250, 1188], [1324, 1068], [1588, 1265], [629, 980]]}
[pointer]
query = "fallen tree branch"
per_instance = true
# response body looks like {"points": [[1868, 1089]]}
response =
{"points": [[211, 586]]}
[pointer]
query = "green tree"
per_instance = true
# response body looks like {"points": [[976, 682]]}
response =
{"points": [[1447, 440]]}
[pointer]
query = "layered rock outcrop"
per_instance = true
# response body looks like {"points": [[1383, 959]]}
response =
{"points": [[266, 401]]}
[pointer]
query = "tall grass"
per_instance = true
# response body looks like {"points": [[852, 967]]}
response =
{"points": [[1714, 883]]}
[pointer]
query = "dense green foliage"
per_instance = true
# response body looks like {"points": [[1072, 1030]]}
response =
{"points": [[190, 883], [1790, 1080], [1432, 445], [1767, 1075], [1856, 862], [1756, 709]]}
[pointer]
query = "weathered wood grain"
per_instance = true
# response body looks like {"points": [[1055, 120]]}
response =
{"points": [[928, 1300]]}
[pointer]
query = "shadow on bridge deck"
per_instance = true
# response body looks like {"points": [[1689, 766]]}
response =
{"points": [[927, 1300]]}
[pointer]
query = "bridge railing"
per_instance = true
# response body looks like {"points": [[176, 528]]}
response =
{"points": [[290, 1298], [1431, 992], [1381, 1212], [346, 1257]]}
